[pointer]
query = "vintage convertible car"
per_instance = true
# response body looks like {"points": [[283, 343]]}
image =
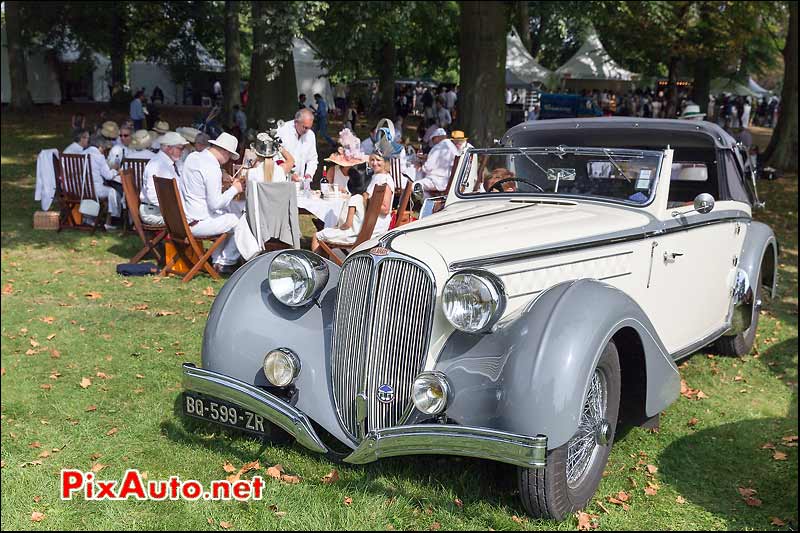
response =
{"points": [[546, 303]]}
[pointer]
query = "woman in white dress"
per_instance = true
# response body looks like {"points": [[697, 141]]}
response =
{"points": [[381, 176], [351, 217]]}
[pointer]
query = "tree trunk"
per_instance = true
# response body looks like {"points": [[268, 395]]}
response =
{"points": [[258, 66], [782, 150], [18, 70], [386, 80], [233, 74], [523, 23], [672, 88], [702, 84], [119, 44], [281, 93], [483, 60]]}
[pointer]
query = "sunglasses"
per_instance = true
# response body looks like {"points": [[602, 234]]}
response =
{"points": [[124, 135]]}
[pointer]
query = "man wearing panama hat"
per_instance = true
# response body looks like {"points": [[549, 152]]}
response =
{"points": [[140, 146], [204, 202], [692, 112], [435, 172], [161, 127], [163, 164], [459, 140]]}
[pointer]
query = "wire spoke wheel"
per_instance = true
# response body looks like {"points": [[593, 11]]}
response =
{"points": [[583, 447]]}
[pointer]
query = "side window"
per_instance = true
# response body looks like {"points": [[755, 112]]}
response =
{"points": [[694, 171], [735, 188]]}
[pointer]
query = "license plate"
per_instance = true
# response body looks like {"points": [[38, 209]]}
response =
{"points": [[224, 413]]}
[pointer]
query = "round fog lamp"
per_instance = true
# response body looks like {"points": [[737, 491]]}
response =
{"points": [[281, 366], [430, 392]]}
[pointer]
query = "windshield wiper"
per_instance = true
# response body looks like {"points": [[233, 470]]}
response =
{"points": [[608, 155], [529, 158]]}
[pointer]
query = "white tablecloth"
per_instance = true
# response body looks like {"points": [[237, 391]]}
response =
{"points": [[324, 209]]}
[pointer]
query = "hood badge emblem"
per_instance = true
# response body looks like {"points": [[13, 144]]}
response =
{"points": [[385, 393], [379, 250]]}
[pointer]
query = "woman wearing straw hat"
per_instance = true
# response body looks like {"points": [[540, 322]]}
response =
{"points": [[140, 146]]}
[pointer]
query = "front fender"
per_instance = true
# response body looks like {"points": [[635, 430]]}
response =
{"points": [[759, 242], [246, 321], [530, 377]]}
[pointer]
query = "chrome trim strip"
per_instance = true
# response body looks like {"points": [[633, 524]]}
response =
{"points": [[261, 402], [581, 245], [688, 350], [443, 439]]}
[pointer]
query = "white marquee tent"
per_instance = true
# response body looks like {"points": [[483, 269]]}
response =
{"points": [[592, 67], [521, 65], [42, 77], [311, 77], [101, 75]]}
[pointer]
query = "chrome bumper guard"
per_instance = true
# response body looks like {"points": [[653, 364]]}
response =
{"points": [[277, 411], [519, 450]]}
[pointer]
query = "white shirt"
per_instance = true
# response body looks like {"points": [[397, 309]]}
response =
{"points": [[464, 147], [303, 149], [162, 166], [140, 154], [383, 222], [257, 173], [444, 117], [450, 99], [201, 186], [73, 148], [100, 168], [439, 163]]}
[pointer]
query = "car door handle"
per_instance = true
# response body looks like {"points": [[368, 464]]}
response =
{"points": [[669, 257]]}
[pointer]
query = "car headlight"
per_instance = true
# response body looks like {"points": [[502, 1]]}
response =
{"points": [[430, 392], [297, 277], [281, 366], [473, 300]]}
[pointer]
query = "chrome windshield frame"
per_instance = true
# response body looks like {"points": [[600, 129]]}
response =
{"points": [[553, 150]]}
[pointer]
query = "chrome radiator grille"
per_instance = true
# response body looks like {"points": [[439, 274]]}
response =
{"points": [[381, 336]]}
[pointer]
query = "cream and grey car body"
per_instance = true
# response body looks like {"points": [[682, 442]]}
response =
{"points": [[660, 279]]}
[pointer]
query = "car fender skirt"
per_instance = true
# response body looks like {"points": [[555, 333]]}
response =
{"points": [[530, 376], [260, 402]]}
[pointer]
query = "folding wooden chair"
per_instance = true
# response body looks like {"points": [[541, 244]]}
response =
{"points": [[137, 167], [370, 218], [69, 173], [396, 171], [188, 248], [151, 235], [402, 213]]}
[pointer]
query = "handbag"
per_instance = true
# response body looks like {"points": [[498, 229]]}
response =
{"points": [[88, 207]]}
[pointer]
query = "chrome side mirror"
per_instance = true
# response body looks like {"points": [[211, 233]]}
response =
{"points": [[703, 203]]}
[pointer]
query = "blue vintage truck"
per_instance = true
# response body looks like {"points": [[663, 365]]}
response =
{"points": [[567, 106]]}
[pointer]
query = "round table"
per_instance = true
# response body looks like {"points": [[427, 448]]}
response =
{"points": [[325, 209]]}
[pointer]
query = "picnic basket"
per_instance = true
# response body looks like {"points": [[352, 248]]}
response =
{"points": [[47, 220]]}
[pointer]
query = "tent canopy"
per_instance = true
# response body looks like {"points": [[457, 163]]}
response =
{"points": [[756, 88], [42, 77], [513, 82], [521, 64], [310, 76], [592, 62], [727, 85]]}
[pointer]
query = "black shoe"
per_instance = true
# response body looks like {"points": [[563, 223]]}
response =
{"points": [[226, 270]]}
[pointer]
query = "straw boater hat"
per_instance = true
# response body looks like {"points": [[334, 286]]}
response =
{"points": [[458, 135], [190, 134], [161, 127], [172, 139], [227, 142], [109, 130], [141, 140], [691, 111]]}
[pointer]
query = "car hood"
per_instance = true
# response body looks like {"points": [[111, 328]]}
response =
{"points": [[472, 229]]}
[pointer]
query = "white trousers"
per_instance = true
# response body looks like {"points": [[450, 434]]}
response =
{"points": [[114, 201], [433, 183], [227, 254], [151, 214]]}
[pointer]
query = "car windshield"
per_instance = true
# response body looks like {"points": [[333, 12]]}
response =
{"points": [[604, 173]]}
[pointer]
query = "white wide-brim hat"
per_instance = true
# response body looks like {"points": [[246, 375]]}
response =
{"points": [[189, 133], [227, 142], [439, 132], [691, 111], [141, 140], [161, 126], [172, 139]]}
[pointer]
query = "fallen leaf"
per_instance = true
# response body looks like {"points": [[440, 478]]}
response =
{"points": [[652, 469], [680, 499], [225, 525], [48, 319], [228, 467], [275, 471], [2, 464], [138, 307], [111, 432], [623, 496], [55, 354], [139, 376], [93, 295], [210, 520], [127, 283], [767, 446], [348, 500], [790, 438], [96, 467], [37, 499], [208, 291], [3, 371], [746, 492], [280, 514], [164, 313], [779, 456], [459, 503], [51, 336], [46, 386], [31, 351], [35, 444], [85, 383], [8, 289], [57, 272], [55, 374], [44, 455], [91, 408], [95, 456], [777, 521], [753, 502], [34, 344], [331, 477], [103, 375], [650, 491], [701, 395], [585, 521], [692, 422], [255, 465], [292, 480], [435, 526], [36, 516]]}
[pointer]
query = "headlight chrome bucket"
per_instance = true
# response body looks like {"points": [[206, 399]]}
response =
{"points": [[297, 277], [474, 300]]}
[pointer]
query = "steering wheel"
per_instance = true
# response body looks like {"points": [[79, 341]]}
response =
{"points": [[504, 180]]}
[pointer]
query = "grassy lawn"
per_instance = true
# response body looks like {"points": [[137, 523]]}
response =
{"points": [[67, 316]]}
